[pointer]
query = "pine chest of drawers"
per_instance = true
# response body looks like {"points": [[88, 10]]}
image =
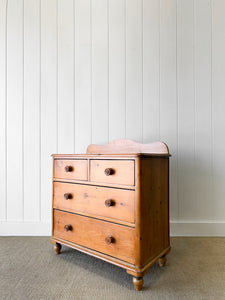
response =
{"points": [[113, 203]]}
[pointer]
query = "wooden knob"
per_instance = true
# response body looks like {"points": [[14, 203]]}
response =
{"points": [[109, 171], [68, 227], [68, 196], [109, 202], [109, 240], [68, 168]]}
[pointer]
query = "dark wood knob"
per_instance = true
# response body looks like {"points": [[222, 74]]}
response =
{"points": [[109, 240], [109, 171], [68, 196], [68, 168], [109, 202], [68, 227]]}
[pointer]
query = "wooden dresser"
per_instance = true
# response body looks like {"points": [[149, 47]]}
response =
{"points": [[113, 203]]}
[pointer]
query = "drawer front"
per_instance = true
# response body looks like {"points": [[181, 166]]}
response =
{"points": [[112, 171], [109, 238], [105, 202], [70, 169]]}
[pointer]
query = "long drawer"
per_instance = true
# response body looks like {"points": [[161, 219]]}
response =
{"points": [[101, 201], [109, 238], [112, 171]]}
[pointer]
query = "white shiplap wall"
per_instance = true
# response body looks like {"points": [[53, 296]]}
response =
{"points": [[75, 72]]}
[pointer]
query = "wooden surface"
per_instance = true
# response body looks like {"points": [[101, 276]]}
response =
{"points": [[92, 233], [128, 146], [57, 110], [154, 212], [123, 171], [91, 199], [79, 169], [121, 207]]}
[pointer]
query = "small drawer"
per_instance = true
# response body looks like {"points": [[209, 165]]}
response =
{"points": [[70, 169], [112, 171], [101, 201], [109, 238]]}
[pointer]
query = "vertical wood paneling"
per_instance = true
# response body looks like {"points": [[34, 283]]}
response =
{"points": [[99, 71], [203, 122], [66, 134], [168, 93], [3, 53], [48, 100], [73, 72], [186, 110], [151, 68], [83, 79], [15, 110], [218, 108], [31, 109], [134, 69], [117, 75]]}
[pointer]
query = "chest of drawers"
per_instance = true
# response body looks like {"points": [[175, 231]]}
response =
{"points": [[113, 203]]}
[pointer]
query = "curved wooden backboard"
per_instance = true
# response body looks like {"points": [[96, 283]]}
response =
{"points": [[128, 146]]}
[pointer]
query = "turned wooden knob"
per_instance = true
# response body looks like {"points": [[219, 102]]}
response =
{"points": [[68, 227], [109, 240], [68, 196], [109, 171], [109, 202], [68, 168]]}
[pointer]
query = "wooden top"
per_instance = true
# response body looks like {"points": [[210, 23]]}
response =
{"points": [[121, 148], [128, 146]]}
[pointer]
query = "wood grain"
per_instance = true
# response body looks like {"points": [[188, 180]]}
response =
{"points": [[91, 199], [91, 233], [128, 146], [123, 171], [154, 208], [76, 169], [97, 217]]}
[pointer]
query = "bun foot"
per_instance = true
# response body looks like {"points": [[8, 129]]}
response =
{"points": [[57, 248], [138, 283], [162, 261]]}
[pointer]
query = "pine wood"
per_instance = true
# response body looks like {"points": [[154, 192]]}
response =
{"points": [[92, 233], [57, 248], [138, 283], [162, 261], [70, 169], [122, 171], [128, 146], [94, 200], [133, 235]]}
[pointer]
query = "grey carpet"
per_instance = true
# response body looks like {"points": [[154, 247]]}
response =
{"points": [[29, 269]]}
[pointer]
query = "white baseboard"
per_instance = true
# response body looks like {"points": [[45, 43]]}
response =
{"points": [[14, 228], [197, 228], [25, 228]]}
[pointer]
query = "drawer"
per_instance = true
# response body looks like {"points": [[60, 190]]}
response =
{"points": [[109, 238], [112, 171], [70, 169], [105, 202]]}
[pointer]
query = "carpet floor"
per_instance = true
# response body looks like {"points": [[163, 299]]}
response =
{"points": [[29, 269]]}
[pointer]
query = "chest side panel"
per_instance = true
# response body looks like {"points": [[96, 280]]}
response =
{"points": [[154, 207]]}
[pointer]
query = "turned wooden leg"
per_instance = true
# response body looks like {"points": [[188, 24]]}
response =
{"points": [[57, 248], [138, 283], [162, 261]]}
